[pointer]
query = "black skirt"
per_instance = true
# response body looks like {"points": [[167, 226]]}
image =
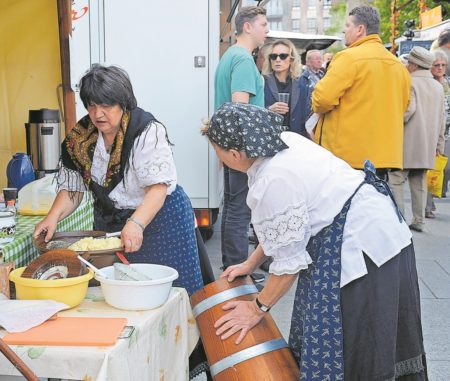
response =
{"points": [[381, 322]]}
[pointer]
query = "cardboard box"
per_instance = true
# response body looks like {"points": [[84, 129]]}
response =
{"points": [[5, 269]]}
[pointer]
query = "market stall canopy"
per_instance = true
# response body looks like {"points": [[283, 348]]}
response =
{"points": [[430, 33], [304, 41], [422, 37]]}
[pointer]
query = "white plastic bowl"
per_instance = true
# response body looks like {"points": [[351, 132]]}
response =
{"points": [[138, 295]]}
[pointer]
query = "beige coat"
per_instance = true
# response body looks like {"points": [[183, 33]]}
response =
{"points": [[424, 122]]}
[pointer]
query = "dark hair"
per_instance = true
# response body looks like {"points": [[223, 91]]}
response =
{"points": [[444, 37], [247, 14], [367, 16], [108, 85]]}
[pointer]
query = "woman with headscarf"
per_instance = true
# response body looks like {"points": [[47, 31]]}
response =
{"points": [[121, 154], [282, 70], [356, 313]]}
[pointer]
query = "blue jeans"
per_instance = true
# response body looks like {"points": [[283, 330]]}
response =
{"points": [[235, 218]]}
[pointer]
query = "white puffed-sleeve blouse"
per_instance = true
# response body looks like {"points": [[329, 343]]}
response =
{"points": [[151, 162], [299, 191]]}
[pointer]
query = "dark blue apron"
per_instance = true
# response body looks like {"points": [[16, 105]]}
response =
{"points": [[316, 336]]}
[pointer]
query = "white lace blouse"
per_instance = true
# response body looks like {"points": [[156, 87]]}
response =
{"points": [[151, 162], [299, 191]]}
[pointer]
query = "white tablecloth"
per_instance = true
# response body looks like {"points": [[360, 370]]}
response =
{"points": [[158, 349]]}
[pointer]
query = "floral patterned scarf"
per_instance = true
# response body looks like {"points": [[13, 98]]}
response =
{"points": [[79, 146]]}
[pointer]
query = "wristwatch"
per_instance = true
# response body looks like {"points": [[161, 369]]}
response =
{"points": [[261, 306]]}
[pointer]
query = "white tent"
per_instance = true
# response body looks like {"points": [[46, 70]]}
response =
{"points": [[304, 41]]}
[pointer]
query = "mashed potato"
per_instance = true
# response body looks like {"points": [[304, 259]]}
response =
{"points": [[90, 244]]}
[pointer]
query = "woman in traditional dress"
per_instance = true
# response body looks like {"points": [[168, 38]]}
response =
{"points": [[122, 155], [356, 314]]}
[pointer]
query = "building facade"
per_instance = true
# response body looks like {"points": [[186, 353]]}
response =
{"points": [[304, 16]]}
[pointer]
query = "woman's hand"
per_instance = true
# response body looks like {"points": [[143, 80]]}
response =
{"points": [[132, 236], [47, 226], [61, 208], [243, 317], [280, 108], [244, 268], [132, 233]]}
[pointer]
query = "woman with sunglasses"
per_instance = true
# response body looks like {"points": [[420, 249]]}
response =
{"points": [[282, 70]]}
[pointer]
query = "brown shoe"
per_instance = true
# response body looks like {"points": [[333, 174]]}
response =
{"points": [[430, 215]]}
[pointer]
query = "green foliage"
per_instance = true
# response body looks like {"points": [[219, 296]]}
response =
{"points": [[338, 15], [409, 12]]}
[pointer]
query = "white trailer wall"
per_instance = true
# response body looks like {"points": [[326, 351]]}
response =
{"points": [[156, 42]]}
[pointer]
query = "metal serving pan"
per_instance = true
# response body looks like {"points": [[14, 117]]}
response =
{"points": [[63, 240]]}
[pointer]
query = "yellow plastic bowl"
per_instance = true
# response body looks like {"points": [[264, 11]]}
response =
{"points": [[70, 291]]}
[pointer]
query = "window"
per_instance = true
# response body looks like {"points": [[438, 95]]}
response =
{"points": [[296, 13], [275, 25], [275, 7], [311, 23], [296, 25], [296, 3], [312, 3], [326, 22], [327, 3]]}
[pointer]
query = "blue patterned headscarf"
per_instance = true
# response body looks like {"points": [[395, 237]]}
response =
{"points": [[248, 128]]}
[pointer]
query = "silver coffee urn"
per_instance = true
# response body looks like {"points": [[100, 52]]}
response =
{"points": [[43, 134]]}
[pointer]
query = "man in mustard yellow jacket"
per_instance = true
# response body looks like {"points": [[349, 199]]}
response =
{"points": [[363, 97]]}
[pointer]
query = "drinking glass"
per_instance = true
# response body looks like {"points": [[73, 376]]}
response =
{"points": [[283, 97]]}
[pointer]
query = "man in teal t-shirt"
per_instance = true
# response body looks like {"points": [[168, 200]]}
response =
{"points": [[237, 77], [238, 80], [237, 73]]}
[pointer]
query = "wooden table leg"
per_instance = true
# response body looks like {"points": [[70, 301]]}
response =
{"points": [[17, 362]]}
